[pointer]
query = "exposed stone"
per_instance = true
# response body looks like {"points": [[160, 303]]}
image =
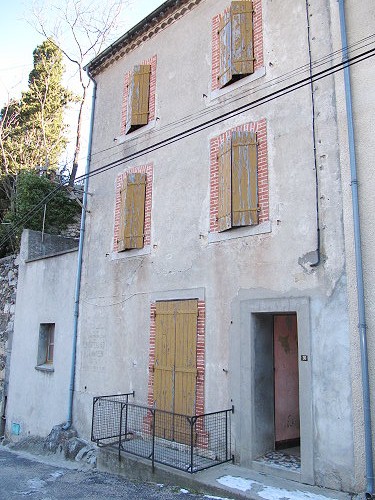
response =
{"points": [[8, 290], [58, 439]]}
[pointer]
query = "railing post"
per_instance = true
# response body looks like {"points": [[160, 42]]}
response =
{"points": [[93, 416], [230, 434], [153, 439], [126, 419], [226, 435], [119, 439], [192, 421]]}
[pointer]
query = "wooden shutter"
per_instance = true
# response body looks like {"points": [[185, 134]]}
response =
{"points": [[244, 179], [186, 356], [242, 37], [132, 216], [175, 369], [225, 44], [224, 214], [137, 110], [121, 234], [236, 44]]}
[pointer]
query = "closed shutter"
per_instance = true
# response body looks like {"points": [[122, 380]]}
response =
{"points": [[137, 110], [175, 369], [225, 44], [236, 42], [242, 38], [121, 234], [244, 179], [225, 186], [132, 217], [186, 356]]}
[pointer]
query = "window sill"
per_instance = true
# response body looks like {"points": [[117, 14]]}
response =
{"points": [[131, 253], [45, 368], [133, 135], [259, 73], [240, 232]]}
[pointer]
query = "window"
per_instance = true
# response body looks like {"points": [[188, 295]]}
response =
{"points": [[236, 47], [138, 98], [132, 222], [132, 212], [237, 181], [138, 101], [46, 344]]}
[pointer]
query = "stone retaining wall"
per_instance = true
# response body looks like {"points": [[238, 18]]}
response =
{"points": [[8, 289]]}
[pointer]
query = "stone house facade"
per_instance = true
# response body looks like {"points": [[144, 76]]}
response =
{"points": [[218, 262]]}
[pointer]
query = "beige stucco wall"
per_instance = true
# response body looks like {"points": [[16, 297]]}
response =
{"points": [[37, 399], [117, 290]]}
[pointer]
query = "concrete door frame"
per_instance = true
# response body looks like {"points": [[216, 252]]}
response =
{"points": [[244, 361]]}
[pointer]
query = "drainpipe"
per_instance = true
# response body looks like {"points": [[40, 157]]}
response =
{"points": [[68, 423], [358, 261]]}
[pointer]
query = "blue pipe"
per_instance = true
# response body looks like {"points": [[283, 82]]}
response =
{"points": [[69, 421], [358, 260]]}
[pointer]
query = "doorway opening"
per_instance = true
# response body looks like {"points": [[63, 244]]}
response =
{"points": [[277, 436], [286, 384]]}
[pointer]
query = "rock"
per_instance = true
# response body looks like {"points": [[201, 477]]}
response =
{"points": [[58, 438]]}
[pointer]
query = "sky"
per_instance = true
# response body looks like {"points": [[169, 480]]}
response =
{"points": [[18, 39]]}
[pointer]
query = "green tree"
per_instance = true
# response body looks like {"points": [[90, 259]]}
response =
{"points": [[33, 135], [60, 210], [32, 129]]}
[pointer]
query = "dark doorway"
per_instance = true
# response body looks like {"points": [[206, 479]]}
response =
{"points": [[286, 382]]}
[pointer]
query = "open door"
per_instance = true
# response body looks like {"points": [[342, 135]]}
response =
{"points": [[286, 381]]}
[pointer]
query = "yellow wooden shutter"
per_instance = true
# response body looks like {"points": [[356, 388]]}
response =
{"points": [[224, 214], [242, 37], [121, 232], [186, 356], [137, 110], [225, 44], [244, 179], [236, 43], [164, 355], [132, 216], [175, 369]]}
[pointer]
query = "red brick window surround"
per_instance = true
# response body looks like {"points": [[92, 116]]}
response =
{"points": [[260, 128], [199, 396], [144, 169], [151, 116], [257, 40]]}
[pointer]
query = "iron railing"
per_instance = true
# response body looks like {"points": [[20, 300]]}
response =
{"points": [[106, 413], [188, 443]]}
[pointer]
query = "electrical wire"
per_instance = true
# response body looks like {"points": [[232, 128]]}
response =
{"points": [[198, 128], [360, 44], [229, 114]]}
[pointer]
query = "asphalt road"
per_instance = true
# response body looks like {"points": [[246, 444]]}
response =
{"points": [[26, 477]]}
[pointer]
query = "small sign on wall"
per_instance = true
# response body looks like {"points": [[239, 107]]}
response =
{"points": [[16, 429]]}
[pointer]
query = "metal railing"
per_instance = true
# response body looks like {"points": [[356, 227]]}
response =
{"points": [[188, 443]]}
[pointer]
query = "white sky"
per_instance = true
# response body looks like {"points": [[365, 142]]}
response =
{"points": [[18, 40]]}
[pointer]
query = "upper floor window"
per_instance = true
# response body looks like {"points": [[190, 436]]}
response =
{"points": [[238, 186], [138, 98], [138, 107], [133, 209], [236, 44], [239, 194]]}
